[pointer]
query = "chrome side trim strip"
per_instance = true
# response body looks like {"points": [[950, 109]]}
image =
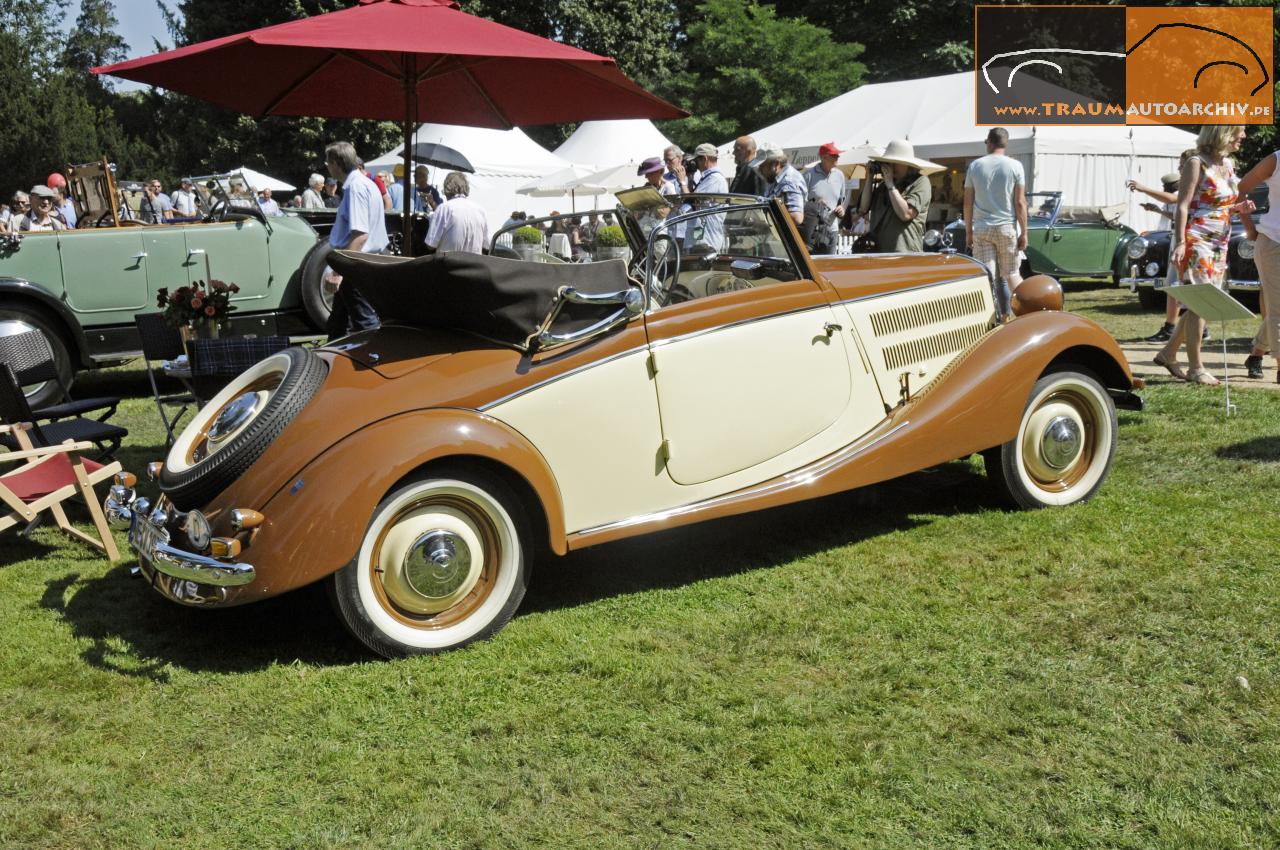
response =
{"points": [[798, 478], [694, 334], [1244, 284], [970, 278], [561, 377]]}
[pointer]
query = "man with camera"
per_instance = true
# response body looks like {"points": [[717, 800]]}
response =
{"points": [[826, 201], [155, 206], [895, 199]]}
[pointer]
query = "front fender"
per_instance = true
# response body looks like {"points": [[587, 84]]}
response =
{"points": [[977, 403], [314, 524]]}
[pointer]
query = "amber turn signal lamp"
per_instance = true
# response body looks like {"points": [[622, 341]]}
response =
{"points": [[153, 469], [224, 547], [243, 519], [126, 479]]}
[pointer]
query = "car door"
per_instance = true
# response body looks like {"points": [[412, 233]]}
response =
{"points": [[232, 252], [749, 359], [104, 271], [165, 247]]}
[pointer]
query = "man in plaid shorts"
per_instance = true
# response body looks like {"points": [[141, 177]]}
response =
{"points": [[995, 211]]}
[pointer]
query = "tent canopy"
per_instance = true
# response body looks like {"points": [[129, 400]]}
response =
{"points": [[603, 144], [936, 114], [258, 181], [494, 153]]}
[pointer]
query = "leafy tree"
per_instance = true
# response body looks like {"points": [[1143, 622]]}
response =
{"points": [[94, 40], [39, 24], [748, 68]]}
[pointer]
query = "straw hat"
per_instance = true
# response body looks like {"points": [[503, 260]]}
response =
{"points": [[901, 151]]}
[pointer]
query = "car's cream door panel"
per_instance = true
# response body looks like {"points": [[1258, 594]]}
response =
{"points": [[735, 397]]}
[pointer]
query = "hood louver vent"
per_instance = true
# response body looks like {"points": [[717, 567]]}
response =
{"points": [[935, 345], [912, 316]]}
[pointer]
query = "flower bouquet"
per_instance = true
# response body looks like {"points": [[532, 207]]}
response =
{"points": [[199, 309]]}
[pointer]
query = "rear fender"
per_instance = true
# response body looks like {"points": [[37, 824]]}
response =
{"points": [[315, 522]]}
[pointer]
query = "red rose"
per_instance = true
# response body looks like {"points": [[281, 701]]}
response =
{"points": [[234, 288], [196, 303], [209, 311]]}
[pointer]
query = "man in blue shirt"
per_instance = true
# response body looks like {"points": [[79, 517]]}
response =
{"points": [[783, 181], [360, 226], [708, 230]]}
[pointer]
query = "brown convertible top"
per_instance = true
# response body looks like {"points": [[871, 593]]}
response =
{"points": [[498, 299]]}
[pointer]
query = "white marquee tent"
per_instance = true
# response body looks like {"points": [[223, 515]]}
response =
{"points": [[604, 144], [504, 160], [936, 114]]}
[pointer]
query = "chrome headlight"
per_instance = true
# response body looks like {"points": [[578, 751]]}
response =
{"points": [[1152, 269], [932, 238], [1137, 247], [1245, 249], [197, 529]]}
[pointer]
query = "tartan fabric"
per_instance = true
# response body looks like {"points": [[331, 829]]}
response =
{"points": [[231, 356], [996, 247]]}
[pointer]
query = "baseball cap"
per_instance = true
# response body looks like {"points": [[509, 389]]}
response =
{"points": [[770, 151], [329, 181], [186, 181], [42, 191], [829, 149], [707, 149], [650, 165]]}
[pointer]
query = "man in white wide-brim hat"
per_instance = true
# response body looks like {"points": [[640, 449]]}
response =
{"points": [[895, 199]]}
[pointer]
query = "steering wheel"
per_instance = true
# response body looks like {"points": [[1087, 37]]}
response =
{"points": [[217, 210], [666, 271], [101, 221]]}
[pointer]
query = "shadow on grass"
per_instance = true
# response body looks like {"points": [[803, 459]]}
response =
{"points": [[755, 541], [133, 631], [1259, 449]]}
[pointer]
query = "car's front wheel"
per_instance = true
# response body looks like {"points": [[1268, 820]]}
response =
{"points": [[444, 562], [1064, 446]]}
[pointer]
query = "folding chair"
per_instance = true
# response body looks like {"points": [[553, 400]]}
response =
{"points": [[214, 362], [160, 342], [29, 355], [46, 478], [14, 410]]}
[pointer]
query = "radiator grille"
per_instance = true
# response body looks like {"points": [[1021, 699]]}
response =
{"points": [[934, 345], [912, 316]]}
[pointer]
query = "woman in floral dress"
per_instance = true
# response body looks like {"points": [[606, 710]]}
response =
{"points": [[1206, 201]]}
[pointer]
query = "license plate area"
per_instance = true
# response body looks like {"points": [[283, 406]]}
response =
{"points": [[145, 537]]}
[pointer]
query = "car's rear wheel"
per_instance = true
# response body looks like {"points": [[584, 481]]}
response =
{"points": [[18, 318], [1064, 446], [444, 562], [228, 434]]}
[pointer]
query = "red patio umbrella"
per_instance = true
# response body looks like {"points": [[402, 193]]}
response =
{"points": [[401, 60]]}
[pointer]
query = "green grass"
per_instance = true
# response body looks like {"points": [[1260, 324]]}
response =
{"points": [[909, 666]]}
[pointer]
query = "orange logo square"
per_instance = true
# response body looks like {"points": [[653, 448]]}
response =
{"points": [[1199, 65]]}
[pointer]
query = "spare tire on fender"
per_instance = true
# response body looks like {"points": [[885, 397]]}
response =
{"points": [[228, 434]]}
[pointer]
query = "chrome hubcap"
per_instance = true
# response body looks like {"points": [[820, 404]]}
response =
{"points": [[1060, 444], [233, 417], [438, 564]]}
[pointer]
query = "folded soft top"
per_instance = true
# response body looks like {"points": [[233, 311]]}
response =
{"points": [[499, 299]]}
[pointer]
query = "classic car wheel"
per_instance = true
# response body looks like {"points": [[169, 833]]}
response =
{"points": [[442, 564], [15, 318], [229, 433], [1064, 446], [1151, 298], [316, 301]]}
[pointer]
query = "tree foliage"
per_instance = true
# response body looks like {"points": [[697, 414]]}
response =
{"points": [[747, 68]]}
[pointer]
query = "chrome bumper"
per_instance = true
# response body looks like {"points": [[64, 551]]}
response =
{"points": [[1243, 284], [1134, 282], [150, 539]]}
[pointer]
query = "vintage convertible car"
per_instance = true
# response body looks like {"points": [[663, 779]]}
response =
{"points": [[507, 407], [82, 287], [1064, 241], [1149, 262]]}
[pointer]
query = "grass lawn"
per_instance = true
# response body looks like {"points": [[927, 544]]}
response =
{"points": [[909, 666]]}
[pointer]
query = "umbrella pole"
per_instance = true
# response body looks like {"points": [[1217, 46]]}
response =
{"points": [[410, 107]]}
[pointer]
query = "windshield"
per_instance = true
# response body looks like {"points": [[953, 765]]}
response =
{"points": [[1042, 205]]}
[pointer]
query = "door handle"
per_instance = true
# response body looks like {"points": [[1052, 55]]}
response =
{"points": [[200, 252], [191, 252], [831, 328], [140, 256]]}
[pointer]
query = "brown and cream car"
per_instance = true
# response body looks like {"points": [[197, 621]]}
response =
{"points": [[507, 407]]}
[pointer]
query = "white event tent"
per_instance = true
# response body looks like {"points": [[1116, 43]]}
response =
{"points": [[936, 114], [258, 181], [604, 144], [504, 160]]}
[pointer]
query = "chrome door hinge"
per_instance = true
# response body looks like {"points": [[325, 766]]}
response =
{"points": [[653, 363], [664, 451]]}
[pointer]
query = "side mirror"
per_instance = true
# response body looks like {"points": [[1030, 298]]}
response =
{"points": [[747, 269]]}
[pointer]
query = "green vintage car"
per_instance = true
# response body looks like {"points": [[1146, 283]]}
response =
{"points": [[82, 287], [1065, 241]]}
